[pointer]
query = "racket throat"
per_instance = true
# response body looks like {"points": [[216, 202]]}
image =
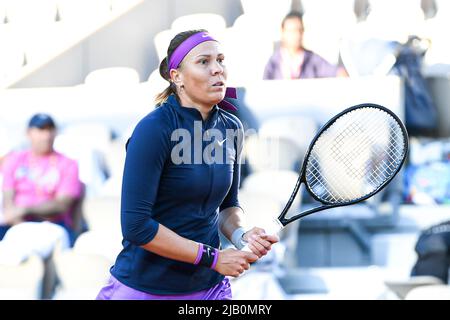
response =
{"points": [[274, 226]]}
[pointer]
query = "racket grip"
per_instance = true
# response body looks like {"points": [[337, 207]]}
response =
{"points": [[273, 227]]}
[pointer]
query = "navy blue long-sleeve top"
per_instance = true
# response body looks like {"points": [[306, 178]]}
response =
{"points": [[166, 182]]}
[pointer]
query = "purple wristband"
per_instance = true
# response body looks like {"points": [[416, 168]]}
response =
{"points": [[199, 253], [216, 257]]}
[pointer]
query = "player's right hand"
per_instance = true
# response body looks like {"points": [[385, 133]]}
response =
{"points": [[232, 262]]}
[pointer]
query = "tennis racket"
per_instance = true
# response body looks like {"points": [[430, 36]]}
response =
{"points": [[352, 157]]}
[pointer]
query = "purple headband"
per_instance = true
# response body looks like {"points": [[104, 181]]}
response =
{"points": [[184, 48]]}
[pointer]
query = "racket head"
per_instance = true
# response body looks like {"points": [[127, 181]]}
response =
{"points": [[357, 155]]}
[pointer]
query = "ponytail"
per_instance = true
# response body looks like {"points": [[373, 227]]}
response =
{"points": [[164, 72], [162, 96]]}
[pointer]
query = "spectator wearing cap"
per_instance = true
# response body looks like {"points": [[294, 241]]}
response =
{"points": [[40, 184]]}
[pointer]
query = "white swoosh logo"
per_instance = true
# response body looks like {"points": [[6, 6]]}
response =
{"points": [[220, 143]]}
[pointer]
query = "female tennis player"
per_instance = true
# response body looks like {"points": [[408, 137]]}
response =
{"points": [[180, 186]]}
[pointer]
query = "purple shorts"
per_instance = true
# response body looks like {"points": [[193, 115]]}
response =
{"points": [[116, 290]]}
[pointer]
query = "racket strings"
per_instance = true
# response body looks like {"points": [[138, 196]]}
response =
{"points": [[357, 173], [364, 154], [391, 152], [363, 145], [320, 182], [374, 175], [344, 191], [323, 191]]}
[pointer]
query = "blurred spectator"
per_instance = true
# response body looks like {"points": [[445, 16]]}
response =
{"points": [[40, 184], [87, 144], [292, 61], [421, 118], [433, 251]]}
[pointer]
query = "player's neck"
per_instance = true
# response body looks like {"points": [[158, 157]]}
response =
{"points": [[204, 109]]}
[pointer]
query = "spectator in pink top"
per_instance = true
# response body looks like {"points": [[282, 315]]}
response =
{"points": [[40, 184]]}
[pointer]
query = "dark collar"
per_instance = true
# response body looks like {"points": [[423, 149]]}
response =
{"points": [[190, 113]]}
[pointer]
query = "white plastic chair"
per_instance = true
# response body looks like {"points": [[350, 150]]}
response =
{"points": [[30, 12], [266, 6], [246, 24], [81, 275], [272, 152], [6, 143], [115, 160], [102, 214], [12, 55], [256, 206], [22, 281], [240, 45], [364, 56], [298, 129], [112, 77], [403, 287], [210, 21], [324, 38], [87, 143], [96, 135], [40, 239], [84, 11], [162, 40], [156, 83], [343, 8], [40, 40], [261, 206], [117, 5], [268, 13], [257, 285], [431, 292], [31, 238], [103, 243], [395, 20], [275, 184]]}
